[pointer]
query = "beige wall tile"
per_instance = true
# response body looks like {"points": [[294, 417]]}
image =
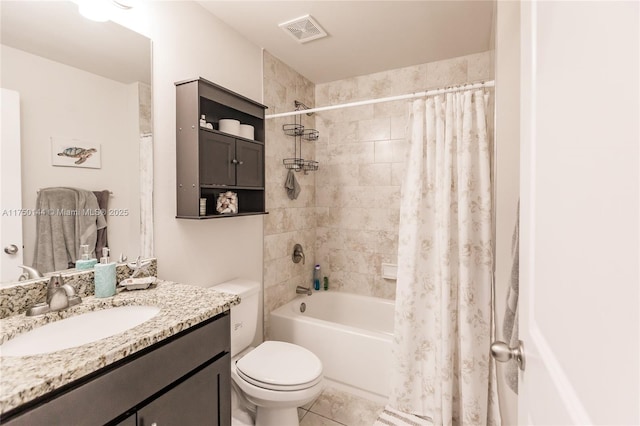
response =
{"points": [[375, 174], [342, 132], [480, 66], [397, 173], [347, 214], [351, 153], [337, 92], [399, 125], [391, 109], [390, 151], [289, 221], [447, 72], [375, 129]]}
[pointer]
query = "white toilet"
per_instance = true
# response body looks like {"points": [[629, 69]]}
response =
{"points": [[276, 377]]}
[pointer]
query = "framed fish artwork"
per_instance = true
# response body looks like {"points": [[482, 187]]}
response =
{"points": [[75, 153]]}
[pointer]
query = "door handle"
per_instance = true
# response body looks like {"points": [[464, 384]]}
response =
{"points": [[501, 352], [11, 249]]}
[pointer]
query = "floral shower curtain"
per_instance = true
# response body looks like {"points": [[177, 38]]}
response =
{"points": [[443, 321]]}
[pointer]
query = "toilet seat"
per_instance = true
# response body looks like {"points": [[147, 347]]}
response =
{"points": [[280, 366]]}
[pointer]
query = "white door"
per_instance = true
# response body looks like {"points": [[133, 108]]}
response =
{"points": [[10, 188], [580, 300]]}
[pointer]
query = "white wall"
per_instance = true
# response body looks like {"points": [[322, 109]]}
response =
{"points": [[104, 111], [507, 171], [189, 42]]}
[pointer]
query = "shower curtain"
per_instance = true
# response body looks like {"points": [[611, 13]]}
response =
{"points": [[443, 320]]}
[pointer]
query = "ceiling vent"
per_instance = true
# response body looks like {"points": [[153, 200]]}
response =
{"points": [[303, 29]]}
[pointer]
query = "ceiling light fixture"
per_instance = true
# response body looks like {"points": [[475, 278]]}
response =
{"points": [[303, 29]]}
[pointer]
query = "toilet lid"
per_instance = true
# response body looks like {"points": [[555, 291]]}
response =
{"points": [[280, 365]]}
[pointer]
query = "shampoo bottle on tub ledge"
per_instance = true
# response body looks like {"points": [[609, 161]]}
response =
{"points": [[316, 277]]}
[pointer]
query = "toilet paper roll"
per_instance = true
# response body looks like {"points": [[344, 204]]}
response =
{"points": [[230, 126], [247, 131]]}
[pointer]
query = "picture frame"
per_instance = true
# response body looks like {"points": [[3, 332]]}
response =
{"points": [[75, 153]]}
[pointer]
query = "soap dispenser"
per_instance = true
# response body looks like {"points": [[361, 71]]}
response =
{"points": [[105, 276], [85, 262]]}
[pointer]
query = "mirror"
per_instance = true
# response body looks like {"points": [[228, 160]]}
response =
{"points": [[81, 83]]}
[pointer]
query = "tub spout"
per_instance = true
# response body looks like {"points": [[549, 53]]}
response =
{"points": [[303, 290]]}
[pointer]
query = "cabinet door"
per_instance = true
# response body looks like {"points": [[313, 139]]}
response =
{"points": [[203, 399], [250, 169], [217, 153]]}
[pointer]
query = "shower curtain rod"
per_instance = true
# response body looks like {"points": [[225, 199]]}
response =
{"points": [[432, 92]]}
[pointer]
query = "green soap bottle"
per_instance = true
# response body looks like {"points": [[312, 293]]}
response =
{"points": [[326, 283], [105, 276]]}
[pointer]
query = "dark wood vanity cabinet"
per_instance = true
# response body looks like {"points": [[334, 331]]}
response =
{"points": [[195, 401], [182, 380], [210, 162]]}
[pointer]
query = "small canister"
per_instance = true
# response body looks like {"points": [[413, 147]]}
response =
{"points": [[203, 206]]}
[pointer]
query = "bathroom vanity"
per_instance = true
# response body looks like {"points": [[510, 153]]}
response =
{"points": [[171, 369]]}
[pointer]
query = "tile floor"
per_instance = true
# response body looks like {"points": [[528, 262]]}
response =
{"points": [[335, 408]]}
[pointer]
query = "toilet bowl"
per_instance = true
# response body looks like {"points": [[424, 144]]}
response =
{"points": [[278, 377], [275, 377]]}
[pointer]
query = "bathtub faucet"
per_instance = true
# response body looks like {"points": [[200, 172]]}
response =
{"points": [[298, 254], [303, 290]]}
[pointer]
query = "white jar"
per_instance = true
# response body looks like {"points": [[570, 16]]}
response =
{"points": [[247, 131], [229, 125]]}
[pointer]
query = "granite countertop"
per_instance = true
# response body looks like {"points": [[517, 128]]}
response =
{"points": [[23, 379]]}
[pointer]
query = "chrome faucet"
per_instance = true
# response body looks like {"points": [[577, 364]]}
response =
{"points": [[304, 290], [59, 296], [29, 273]]}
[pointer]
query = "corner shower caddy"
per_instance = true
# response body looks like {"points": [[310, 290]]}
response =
{"points": [[297, 130]]}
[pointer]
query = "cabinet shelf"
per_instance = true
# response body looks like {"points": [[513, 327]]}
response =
{"points": [[218, 132], [220, 216], [231, 187], [210, 162]]}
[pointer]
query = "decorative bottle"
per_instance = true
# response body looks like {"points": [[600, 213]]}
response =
{"points": [[85, 262], [316, 277]]}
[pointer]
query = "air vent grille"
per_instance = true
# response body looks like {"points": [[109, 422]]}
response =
{"points": [[303, 29]]}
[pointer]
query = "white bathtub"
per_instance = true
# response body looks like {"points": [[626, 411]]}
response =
{"points": [[351, 334]]}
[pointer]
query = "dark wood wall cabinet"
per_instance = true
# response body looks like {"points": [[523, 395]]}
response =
{"points": [[182, 380], [211, 162]]}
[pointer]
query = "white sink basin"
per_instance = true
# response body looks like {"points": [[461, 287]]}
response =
{"points": [[77, 330]]}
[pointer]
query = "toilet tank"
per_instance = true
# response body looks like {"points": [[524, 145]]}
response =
{"points": [[244, 317]]}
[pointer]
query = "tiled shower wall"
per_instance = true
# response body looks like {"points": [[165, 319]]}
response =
{"points": [[289, 221], [361, 153], [346, 216]]}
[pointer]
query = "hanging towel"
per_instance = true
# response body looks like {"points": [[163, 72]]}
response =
{"points": [[67, 218], [292, 185], [103, 204], [510, 324]]}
